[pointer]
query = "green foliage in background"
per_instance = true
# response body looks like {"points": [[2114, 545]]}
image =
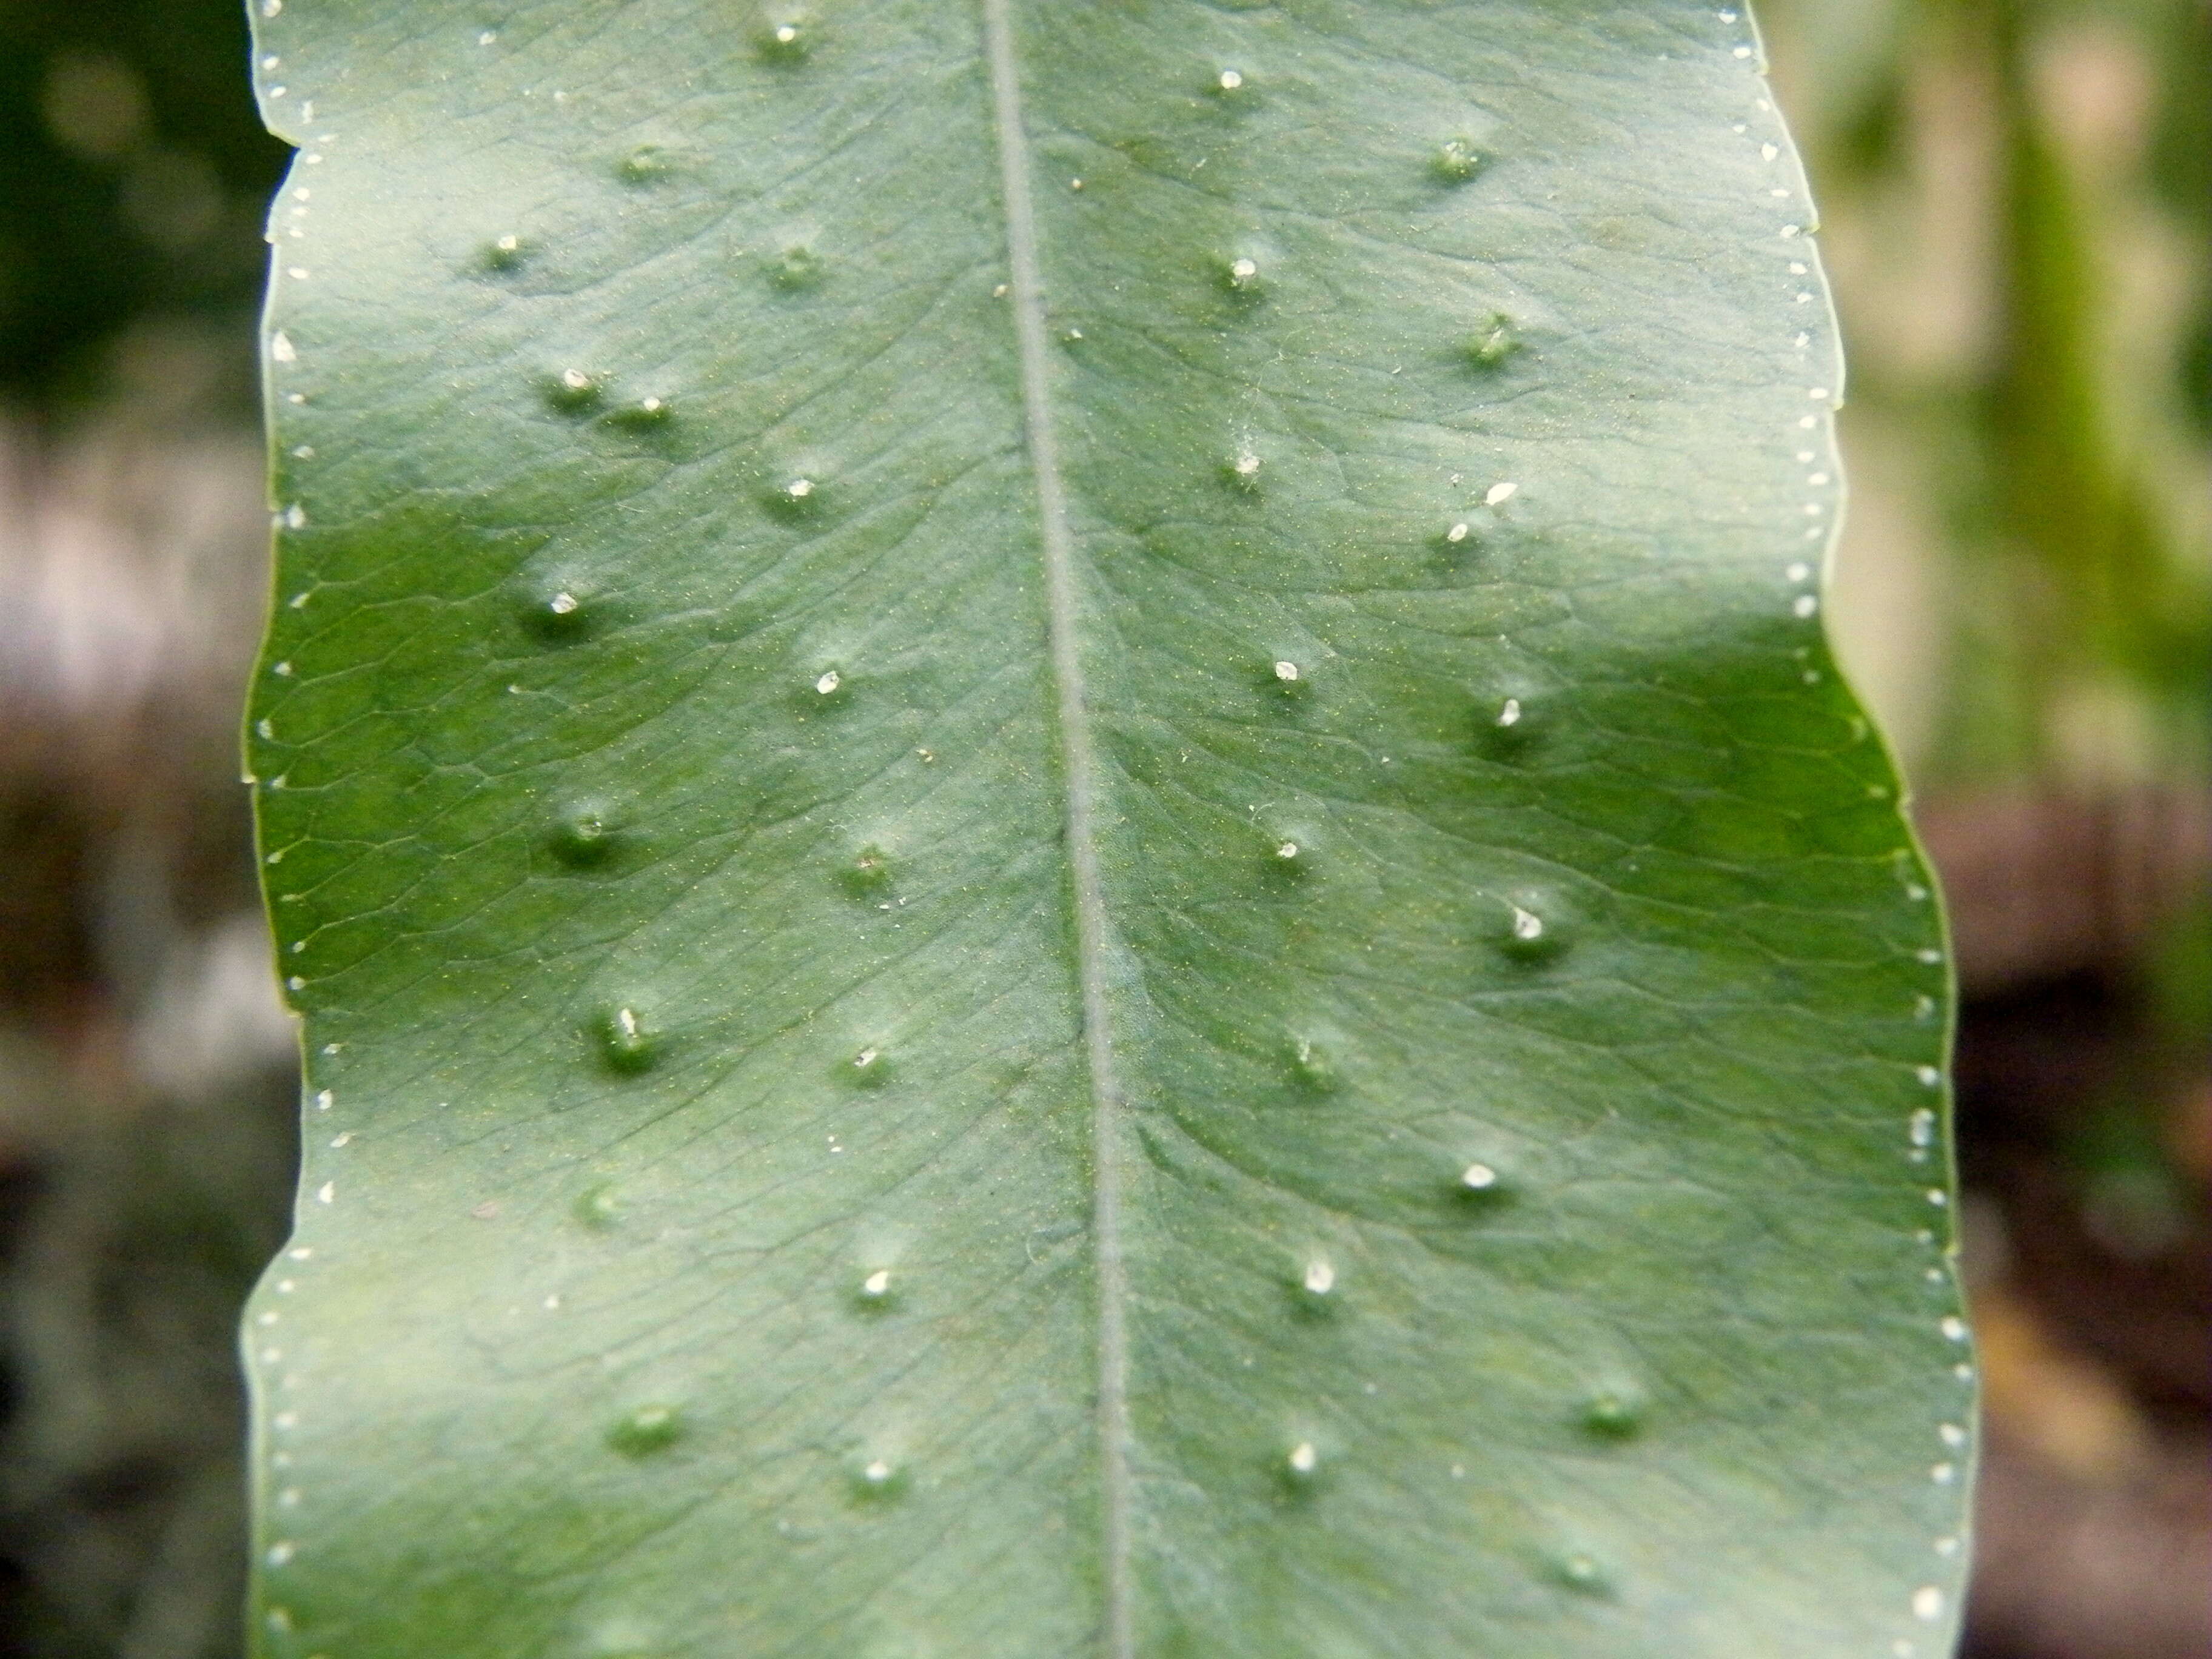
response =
{"points": [[2029, 185], [1072, 860]]}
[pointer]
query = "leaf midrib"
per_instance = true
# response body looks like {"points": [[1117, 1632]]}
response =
{"points": [[1072, 720]]}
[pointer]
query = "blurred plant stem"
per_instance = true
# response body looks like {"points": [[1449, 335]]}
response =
{"points": [[2120, 621]]}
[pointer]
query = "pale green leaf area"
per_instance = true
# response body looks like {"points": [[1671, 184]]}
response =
{"points": [[1072, 863]]}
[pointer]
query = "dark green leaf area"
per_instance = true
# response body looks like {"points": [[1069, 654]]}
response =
{"points": [[1404, 1120]]}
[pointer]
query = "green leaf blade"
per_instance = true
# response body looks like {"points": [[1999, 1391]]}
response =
{"points": [[728, 557]]}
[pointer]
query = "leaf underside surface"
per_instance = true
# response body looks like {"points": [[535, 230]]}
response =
{"points": [[1072, 862]]}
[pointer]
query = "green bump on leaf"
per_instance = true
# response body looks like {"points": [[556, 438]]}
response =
{"points": [[1301, 1471], [646, 1429], [599, 1206], [646, 414], [1530, 926], [783, 39], [626, 1042], [1581, 1573], [868, 875], [584, 834], [794, 496], [1287, 854], [573, 391], [1395, 1090], [1456, 161], [877, 1479], [867, 1068], [649, 164], [798, 269], [1313, 1064], [1242, 276], [1612, 1414], [555, 607], [1492, 343]]}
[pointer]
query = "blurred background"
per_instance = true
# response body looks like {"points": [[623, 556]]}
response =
{"points": [[2016, 197]]}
